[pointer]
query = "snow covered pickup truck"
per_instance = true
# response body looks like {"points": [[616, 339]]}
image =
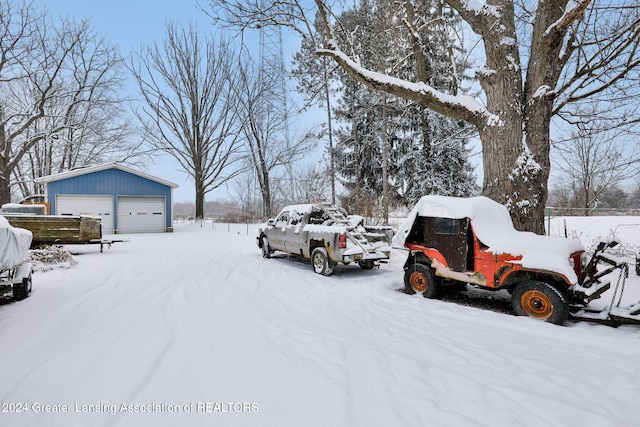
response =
{"points": [[326, 235], [15, 274], [453, 242]]}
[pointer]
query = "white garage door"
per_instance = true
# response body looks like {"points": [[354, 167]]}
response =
{"points": [[80, 204], [141, 214]]}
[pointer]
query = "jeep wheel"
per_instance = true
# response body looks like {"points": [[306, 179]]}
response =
{"points": [[540, 300], [320, 262], [419, 278], [266, 250]]}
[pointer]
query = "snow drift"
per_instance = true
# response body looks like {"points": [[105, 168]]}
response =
{"points": [[195, 328]]}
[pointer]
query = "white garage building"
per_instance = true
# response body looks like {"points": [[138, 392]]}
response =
{"points": [[128, 201]]}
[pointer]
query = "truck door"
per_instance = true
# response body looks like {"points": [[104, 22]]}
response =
{"points": [[294, 239], [449, 236], [278, 233]]}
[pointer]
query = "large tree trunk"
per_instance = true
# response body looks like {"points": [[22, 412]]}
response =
{"points": [[200, 193], [265, 190], [515, 177], [5, 172], [5, 187], [513, 174], [385, 163]]}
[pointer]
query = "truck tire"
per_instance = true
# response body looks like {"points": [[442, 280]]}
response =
{"points": [[22, 289], [540, 300], [266, 250], [418, 278], [320, 262]]}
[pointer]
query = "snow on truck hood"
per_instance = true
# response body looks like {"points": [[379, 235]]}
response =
{"points": [[493, 226]]}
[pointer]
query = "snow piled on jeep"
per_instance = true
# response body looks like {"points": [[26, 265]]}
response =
{"points": [[493, 227]]}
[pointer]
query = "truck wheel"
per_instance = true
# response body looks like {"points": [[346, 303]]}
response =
{"points": [[266, 250], [419, 278], [28, 283], [22, 289], [540, 300], [320, 262]]}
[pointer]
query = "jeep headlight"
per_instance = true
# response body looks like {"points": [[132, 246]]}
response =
{"points": [[584, 260]]}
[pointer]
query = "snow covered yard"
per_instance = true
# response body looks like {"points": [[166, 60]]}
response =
{"points": [[196, 328]]}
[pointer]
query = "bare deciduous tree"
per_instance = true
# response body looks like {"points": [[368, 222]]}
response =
{"points": [[85, 124], [54, 79], [190, 105], [312, 183], [537, 63], [595, 162]]}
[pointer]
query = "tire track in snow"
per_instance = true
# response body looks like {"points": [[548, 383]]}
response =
{"points": [[340, 350], [85, 351], [319, 346], [190, 306], [117, 302], [478, 366]]}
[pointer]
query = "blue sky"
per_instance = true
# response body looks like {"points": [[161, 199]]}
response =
{"points": [[129, 24]]}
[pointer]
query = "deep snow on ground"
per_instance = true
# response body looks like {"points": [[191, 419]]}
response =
{"points": [[196, 328]]}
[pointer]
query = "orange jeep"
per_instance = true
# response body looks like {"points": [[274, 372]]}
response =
{"points": [[458, 241]]}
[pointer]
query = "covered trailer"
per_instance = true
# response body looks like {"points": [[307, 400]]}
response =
{"points": [[15, 272]]}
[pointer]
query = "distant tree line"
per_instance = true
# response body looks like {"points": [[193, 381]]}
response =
{"points": [[219, 209], [568, 198]]}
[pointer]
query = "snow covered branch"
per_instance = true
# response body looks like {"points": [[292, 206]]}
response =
{"points": [[574, 11], [462, 107], [480, 16]]}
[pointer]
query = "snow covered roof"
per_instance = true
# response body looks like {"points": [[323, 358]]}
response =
{"points": [[301, 209], [97, 168], [492, 224]]}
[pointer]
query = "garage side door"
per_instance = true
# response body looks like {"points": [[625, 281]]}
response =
{"points": [[141, 214], [80, 204]]}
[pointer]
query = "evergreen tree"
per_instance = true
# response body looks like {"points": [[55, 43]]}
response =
{"points": [[428, 153]]}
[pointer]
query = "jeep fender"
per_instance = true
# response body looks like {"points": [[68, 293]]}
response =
{"points": [[509, 276], [424, 256]]}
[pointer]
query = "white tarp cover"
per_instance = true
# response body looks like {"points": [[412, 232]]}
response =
{"points": [[493, 226], [14, 244]]}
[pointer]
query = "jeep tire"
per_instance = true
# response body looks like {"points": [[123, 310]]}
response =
{"points": [[419, 278], [540, 300]]}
